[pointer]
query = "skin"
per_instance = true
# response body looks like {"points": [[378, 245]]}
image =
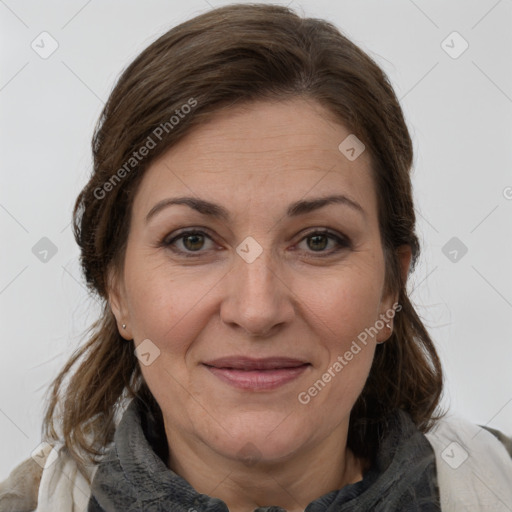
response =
{"points": [[255, 160]]}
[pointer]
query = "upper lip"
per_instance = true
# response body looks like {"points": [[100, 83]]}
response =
{"points": [[248, 363]]}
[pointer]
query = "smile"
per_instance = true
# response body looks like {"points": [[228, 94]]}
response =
{"points": [[257, 374]]}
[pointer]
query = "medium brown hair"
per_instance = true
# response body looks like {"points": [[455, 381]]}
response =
{"points": [[228, 56]]}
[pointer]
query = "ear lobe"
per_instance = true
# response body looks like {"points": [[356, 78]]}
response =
{"points": [[405, 257], [117, 304]]}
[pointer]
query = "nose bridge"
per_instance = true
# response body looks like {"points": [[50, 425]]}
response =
{"points": [[256, 274], [256, 298]]}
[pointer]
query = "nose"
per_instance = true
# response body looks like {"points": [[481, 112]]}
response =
{"points": [[257, 296]]}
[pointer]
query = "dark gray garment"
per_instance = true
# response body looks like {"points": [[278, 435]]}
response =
{"points": [[134, 477]]}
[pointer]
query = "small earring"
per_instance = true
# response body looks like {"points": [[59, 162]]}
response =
{"points": [[124, 326]]}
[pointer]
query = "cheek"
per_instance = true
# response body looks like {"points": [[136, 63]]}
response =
{"points": [[167, 304], [343, 302], [343, 309], [167, 307]]}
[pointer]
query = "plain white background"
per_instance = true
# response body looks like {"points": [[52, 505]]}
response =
{"points": [[458, 110]]}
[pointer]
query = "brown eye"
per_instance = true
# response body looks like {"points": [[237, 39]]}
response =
{"points": [[318, 242], [189, 242], [193, 242]]}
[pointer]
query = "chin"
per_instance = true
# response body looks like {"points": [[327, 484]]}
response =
{"points": [[261, 437]]}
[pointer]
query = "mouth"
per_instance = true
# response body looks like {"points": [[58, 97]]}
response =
{"points": [[257, 374]]}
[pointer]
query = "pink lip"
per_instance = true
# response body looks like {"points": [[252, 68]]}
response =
{"points": [[256, 374]]}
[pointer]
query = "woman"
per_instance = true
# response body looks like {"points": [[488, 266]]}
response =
{"points": [[249, 225]]}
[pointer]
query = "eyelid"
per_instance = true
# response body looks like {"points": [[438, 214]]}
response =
{"points": [[342, 240], [186, 231], [181, 233]]}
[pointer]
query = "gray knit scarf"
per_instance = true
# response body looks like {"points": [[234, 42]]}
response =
{"points": [[134, 477]]}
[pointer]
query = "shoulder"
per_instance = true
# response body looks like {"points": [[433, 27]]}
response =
{"points": [[474, 465], [49, 482], [19, 490]]}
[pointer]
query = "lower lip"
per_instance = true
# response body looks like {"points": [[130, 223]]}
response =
{"points": [[257, 380]]}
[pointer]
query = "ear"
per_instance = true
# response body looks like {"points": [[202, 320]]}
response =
{"points": [[404, 256], [389, 303], [117, 301]]}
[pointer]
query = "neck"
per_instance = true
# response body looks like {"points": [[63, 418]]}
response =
{"points": [[291, 483]]}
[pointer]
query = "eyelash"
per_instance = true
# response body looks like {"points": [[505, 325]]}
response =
{"points": [[342, 241]]}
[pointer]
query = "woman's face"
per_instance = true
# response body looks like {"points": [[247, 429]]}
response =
{"points": [[247, 315]]}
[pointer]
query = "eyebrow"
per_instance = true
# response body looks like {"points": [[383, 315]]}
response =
{"points": [[219, 212]]}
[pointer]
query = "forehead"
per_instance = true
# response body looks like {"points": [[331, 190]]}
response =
{"points": [[264, 153]]}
